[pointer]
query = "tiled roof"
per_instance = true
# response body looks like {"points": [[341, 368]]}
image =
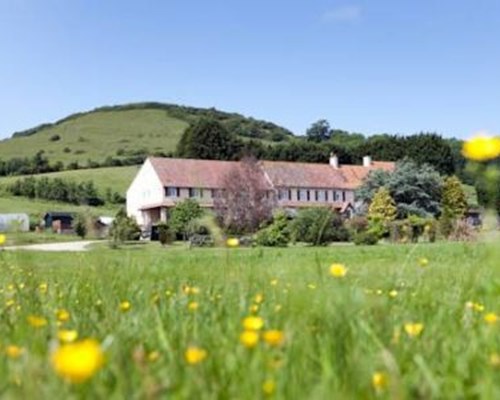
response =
{"points": [[209, 173]]}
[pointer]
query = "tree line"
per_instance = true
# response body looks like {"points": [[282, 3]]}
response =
{"points": [[57, 189]]}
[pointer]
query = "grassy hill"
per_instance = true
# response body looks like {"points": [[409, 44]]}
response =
{"points": [[117, 179], [124, 131]]}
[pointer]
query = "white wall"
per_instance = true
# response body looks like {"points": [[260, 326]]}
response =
{"points": [[145, 189]]}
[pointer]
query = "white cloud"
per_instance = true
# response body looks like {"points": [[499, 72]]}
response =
{"points": [[350, 13]]}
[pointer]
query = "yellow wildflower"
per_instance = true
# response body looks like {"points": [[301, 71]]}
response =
{"points": [[413, 329], [62, 315], [253, 323], [482, 147], [491, 318], [278, 307], [43, 287], [2, 239], [153, 356], [232, 242], [259, 298], [380, 380], [423, 262], [269, 387], [254, 308], [125, 306], [495, 360], [311, 286], [193, 306], [274, 337], [67, 335], [36, 322], [195, 355], [10, 303], [14, 351], [338, 270], [274, 282], [393, 293], [249, 339], [79, 361]]}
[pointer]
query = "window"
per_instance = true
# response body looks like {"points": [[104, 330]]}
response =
{"points": [[302, 194], [193, 192], [284, 194], [321, 195], [308, 195], [326, 195], [343, 196], [172, 191], [316, 195]]}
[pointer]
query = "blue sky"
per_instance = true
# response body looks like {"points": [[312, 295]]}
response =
{"points": [[395, 66]]}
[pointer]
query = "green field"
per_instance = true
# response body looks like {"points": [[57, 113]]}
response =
{"points": [[40, 207], [118, 179], [338, 332], [98, 135]]}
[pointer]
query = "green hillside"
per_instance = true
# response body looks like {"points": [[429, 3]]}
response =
{"points": [[117, 179], [125, 131]]}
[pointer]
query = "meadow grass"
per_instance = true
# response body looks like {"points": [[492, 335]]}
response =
{"points": [[338, 331]]}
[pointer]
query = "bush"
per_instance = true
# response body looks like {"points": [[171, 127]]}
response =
{"points": [[165, 234], [124, 228], [55, 138], [369, 238], [81, 226], [181, 216], [463, 232], [318, 226], [277, 234]]}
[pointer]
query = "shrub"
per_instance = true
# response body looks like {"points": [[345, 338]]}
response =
{"points": [[81, 226], [67, 150], [366, 238], [182, 214], [277, 234], [55, 138], [318, 226], [124, 228], [463, 232], [165, 234]]}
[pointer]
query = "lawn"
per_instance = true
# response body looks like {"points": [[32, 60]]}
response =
{"points": [[340, 333]]}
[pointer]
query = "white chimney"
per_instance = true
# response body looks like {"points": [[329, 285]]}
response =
{"points": [[367, 161], [334, 161]]}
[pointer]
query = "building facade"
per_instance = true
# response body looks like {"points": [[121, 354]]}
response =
{"points": [[163, 182]]}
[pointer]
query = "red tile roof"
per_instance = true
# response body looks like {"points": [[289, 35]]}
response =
{"points": [[209, 173]]}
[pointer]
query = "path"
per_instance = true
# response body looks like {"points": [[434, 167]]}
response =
{"points": [[60, 246]]}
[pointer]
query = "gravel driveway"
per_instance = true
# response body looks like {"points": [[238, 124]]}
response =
{"points": [[62, 246]]}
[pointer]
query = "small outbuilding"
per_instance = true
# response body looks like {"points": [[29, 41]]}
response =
{"points": [[14, 223], [60, 222]]}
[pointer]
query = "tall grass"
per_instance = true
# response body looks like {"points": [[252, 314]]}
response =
{"points": [[338, 332]]}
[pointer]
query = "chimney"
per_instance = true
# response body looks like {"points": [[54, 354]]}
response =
{"points": [[334, 161], [367, 161]]}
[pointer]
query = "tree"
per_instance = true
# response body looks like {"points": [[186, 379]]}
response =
{"points": [[209, 140], [182, 215], [416, 190], [81, 226], [246, 200], [124, 228], [454, 201], [382, 207], [319, 131]]}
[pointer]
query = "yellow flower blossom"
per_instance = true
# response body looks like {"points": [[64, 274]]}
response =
{"points": [[232, 242], [423, 262], [269, 387], [413, 329], [482, 147], [311, 286], [67, 335], [43, 287], [77, 362], [125, 306], [36, 322], [274, 282], [259, 298], [278, 307], [393, 293], [338, 270], [2, 239], [249, 339], [491, 318], [193, 306], [195, 355], [254, 308], [253, 323], [153, 356], [13, 351], [495, 360], [380, 380], [10, 303], [62, 315], [274, 337], [478, 307]]}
